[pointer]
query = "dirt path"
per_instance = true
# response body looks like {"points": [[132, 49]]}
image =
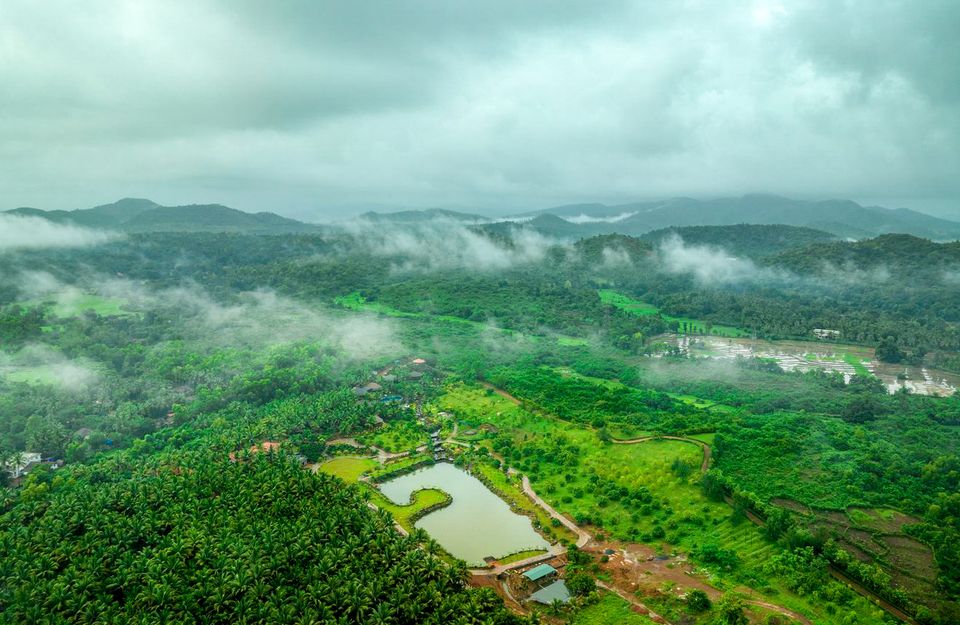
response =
{"points": [[779, 610], [582, 536], [632, 600], [552, 552], [501, 392]]}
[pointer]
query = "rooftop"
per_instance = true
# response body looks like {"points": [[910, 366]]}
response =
{"points": [[539, 572], [548, 594]]}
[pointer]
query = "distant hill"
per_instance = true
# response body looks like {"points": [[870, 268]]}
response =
{"points": [[548, 225], [843, 218], [140, 215], [744, 239], [422, 216]]}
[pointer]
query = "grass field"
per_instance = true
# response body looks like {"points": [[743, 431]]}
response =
{"points": [[610, 610], [356, 301], [74, 305], [521, 555], [687, 325], [857, 363], [420, 500], [398, 465], [348, 468], [396, 436], [39, 374]]}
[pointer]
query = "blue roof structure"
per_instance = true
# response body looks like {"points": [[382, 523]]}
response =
{"points": [[548, 594]]}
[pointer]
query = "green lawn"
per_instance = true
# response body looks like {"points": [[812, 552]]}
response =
{"points": [[521, 555], [857, 363], [356, 301], [687, 325], [419, 501], [39, 374], [76, 305], [610, 610], [398, 465], [396, 436], [348, 468]]}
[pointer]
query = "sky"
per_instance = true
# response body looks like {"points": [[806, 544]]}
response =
{"points": [[317, 109]]}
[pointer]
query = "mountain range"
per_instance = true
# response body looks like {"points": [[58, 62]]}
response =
{"points": [[840, 218]]}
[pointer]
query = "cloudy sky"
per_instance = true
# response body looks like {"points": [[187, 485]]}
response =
{"points": [[316, 108]]}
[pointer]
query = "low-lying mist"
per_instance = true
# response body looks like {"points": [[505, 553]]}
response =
{"points": [[448, 244], [20, 232]]}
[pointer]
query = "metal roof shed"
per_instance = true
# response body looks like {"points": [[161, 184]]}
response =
{"points": [[539, 572], [548, 594]]}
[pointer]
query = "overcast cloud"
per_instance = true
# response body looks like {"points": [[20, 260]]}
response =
{"points": [[307, 107]]}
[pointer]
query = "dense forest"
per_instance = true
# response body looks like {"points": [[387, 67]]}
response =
{"points": [[145, 362]]}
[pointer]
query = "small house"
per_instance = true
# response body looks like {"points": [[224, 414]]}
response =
{"points": [[265, 447], [83, 433], [361, 391]]}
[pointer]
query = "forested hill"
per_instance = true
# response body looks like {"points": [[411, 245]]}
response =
{"points": [[141, 215], [744, 239], [908, 255], [421, 216]]}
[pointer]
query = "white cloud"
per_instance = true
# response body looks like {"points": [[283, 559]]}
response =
{"points": [[709, 265], [587, 219], [37, 363], [443, 244], [19, 232]]}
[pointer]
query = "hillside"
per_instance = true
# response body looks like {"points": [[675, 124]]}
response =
{"points": [[422, 216], [744, 239], [902, 253], [141, 215], [842, 218], [212, 218]]}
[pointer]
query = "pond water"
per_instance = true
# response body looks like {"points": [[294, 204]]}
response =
{"points": [[476, 525], [804, 355]]}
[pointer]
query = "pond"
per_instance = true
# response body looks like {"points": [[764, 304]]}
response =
{"points": [[476, 525]]}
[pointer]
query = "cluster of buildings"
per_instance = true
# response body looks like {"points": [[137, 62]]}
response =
{"points": [[439, 453], [22, 464], [546, 585]]}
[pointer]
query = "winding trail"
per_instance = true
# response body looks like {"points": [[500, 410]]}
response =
{"points": [[582, 536], [779, 610], [632, 600]]}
